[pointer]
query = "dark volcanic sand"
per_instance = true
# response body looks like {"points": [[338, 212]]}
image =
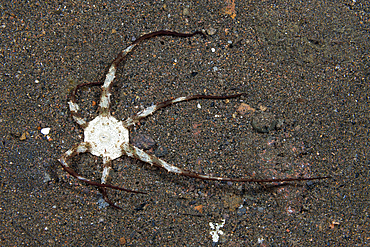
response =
{"points": [[304, 64]]}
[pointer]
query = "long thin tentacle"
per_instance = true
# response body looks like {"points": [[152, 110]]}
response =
{"points": [[167, 33], [109, 78], [74, 108], [150, 110], [124, 53], [139, 154], [111, 74], [107, 166], [82, 148]]}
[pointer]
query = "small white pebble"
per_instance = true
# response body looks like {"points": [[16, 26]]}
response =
{"points": [[215, 69], [45, 131], [46, 228], [37, 81], [229, 42], [199, 106], [213, 49]]}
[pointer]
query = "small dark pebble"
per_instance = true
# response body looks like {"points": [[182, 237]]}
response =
{"points": [[192, 202], [309, 183], [143, 141], [140, 207], [241, 211], [265, 122]]}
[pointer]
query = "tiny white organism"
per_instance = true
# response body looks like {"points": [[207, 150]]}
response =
{"points": [[216, 230], [260, 240]]}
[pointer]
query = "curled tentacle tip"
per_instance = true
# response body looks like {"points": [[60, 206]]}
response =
{"points": [[202, 32]]}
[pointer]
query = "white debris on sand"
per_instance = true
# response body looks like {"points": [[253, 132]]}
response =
{"points": [[216, 230], [45, 131]]}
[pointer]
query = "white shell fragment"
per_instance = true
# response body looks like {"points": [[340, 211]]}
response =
{"points": [[45, 131]]}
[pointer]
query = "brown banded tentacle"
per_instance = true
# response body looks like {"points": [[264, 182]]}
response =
{"points": [[73, 106], [88, 84], [107, 166], [109, 78], [103, 191], [111, 74], [139, 154], [151, 109], [83, 148]]}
